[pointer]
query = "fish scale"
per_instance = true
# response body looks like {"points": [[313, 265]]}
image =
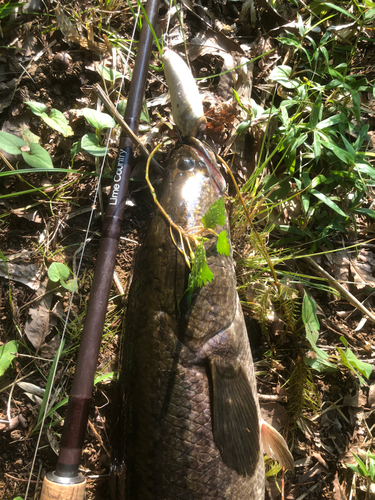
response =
{"points": [[191, 417]]}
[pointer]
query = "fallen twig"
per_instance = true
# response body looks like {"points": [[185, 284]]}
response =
{"points": [[335, 284]]}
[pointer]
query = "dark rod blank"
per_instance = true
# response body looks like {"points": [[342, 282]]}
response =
{"points": [[81, 393]]}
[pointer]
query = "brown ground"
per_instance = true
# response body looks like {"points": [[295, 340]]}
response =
{"points": [[46, 226]]}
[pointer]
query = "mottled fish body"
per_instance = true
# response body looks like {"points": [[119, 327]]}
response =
{"points": [[191, 414]]}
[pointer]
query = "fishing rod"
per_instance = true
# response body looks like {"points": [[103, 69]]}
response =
{"points": [[66, 482]]}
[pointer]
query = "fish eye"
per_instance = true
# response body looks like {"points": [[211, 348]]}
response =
{"points": [[185, 164]]}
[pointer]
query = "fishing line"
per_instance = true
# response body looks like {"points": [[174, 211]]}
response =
{"points": [[59, 351]]}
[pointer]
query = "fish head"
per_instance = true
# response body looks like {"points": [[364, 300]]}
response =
{"points": [[208, 157], [194, 183]]}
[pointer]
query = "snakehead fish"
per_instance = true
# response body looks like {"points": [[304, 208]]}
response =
{"points": [[191, 414]]}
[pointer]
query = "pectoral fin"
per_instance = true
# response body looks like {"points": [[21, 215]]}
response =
{"points": [[236, 426]]}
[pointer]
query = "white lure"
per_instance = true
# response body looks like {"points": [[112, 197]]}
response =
{"points": [[187, 108]]}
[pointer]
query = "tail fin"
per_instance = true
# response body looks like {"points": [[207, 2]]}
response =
{"points": [[275, 445]]}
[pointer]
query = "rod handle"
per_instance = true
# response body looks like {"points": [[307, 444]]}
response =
{"points": [[55, 488]]}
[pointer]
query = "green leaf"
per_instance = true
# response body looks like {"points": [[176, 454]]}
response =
{"points": [[284, 116], [243, 127], [369, 14], [256, 109], [90, 143], [309, 316], [362, 466], [355, 469], [305, 198], [37, 107], [361, 137], [104, 376], [296, 142], [200, 272], [7, 354], [319, 179], [316, 112], [289, 41], [349, 359], [122, 106], [282, 74], [237, 98], [324, 51], [97, 119], [340, 9], [332, 120], [58, 405], [364, 168], [371, 468], [362, 366], [57, 121], [327, 201], [222, 245], [319, 364], [215, 215], [49, 383], [312, 328], [348, 146], [6, 9], [75, 149], [145, 117], [70, 285], [11, 143], [108, 73], [368, 212], [58, 271], [356, 105], [339, 152], [37, 156]]}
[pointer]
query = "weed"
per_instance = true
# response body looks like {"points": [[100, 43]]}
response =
{"points": [[33, 154], [60, 272], [55, 119], [368, 470], [320, 141], [8, 352], [315, 172], [7, 8], [365, 469], [92, 143]]}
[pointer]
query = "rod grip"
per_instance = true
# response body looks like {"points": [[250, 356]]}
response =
{"points": [[52, 490]]}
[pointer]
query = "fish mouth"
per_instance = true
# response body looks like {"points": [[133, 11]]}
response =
{"points": [[206, 153]]}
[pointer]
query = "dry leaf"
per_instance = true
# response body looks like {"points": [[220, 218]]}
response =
{"points": [[31, 215], [32, 388], [53, 441], [29, 274], [276, 415], [40, 322], [37, 325]]}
